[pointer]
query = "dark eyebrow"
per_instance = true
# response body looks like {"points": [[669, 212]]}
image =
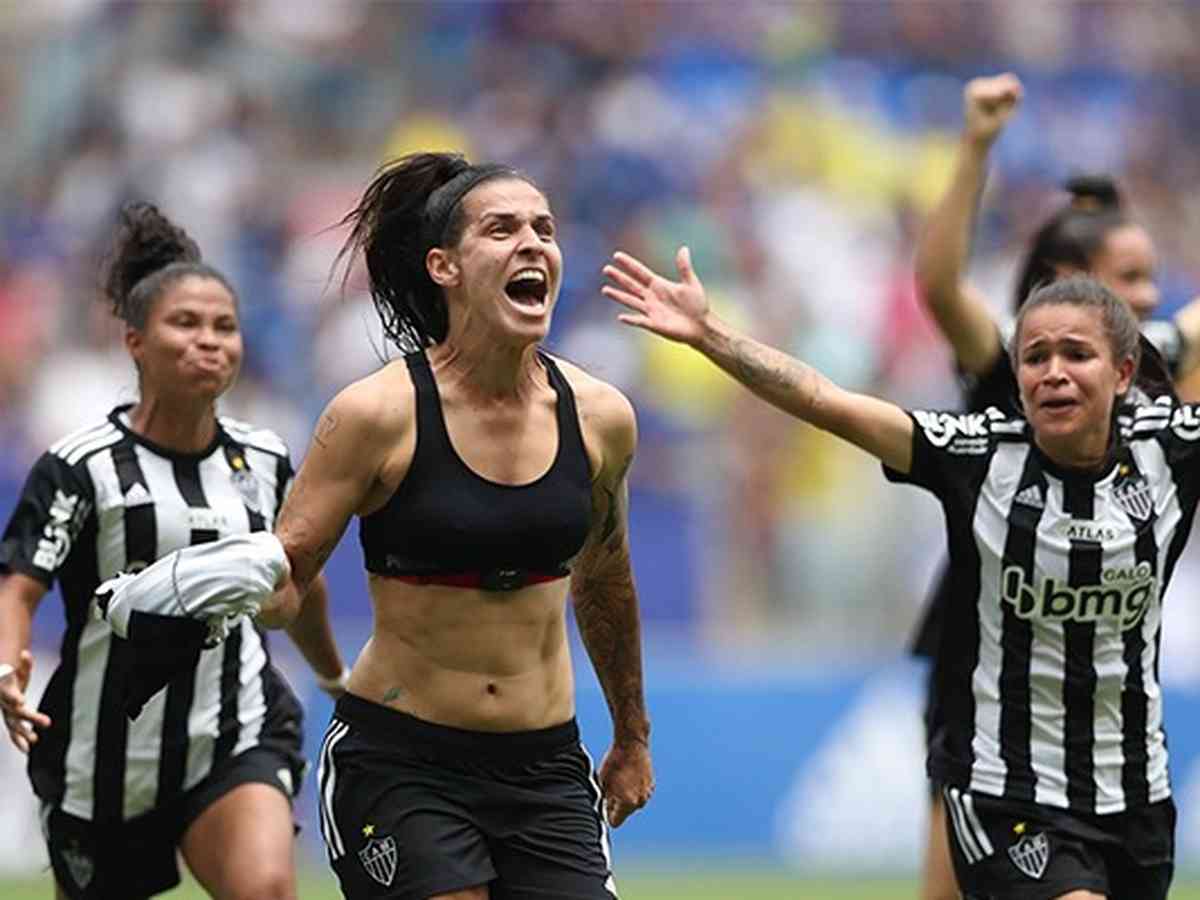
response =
{"points": [[1065, 341], [508, 218]]}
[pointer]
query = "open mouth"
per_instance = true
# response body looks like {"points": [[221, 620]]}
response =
{"points": [[528, 288], [1058, 404]]}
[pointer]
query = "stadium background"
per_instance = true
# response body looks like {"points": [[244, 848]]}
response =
{"points": [[795, 147]]}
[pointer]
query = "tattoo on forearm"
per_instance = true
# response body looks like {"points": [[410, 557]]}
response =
{"points": [[393, 695], [774, 377], [607, 614], [756, 370], [325, 429]]}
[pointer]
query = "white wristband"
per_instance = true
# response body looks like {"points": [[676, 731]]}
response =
{"points": [[6, 669], [337, 684]]}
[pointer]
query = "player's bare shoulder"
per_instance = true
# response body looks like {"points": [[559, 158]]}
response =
{"points": [[377, 409], [605, 415], [367, 427]]}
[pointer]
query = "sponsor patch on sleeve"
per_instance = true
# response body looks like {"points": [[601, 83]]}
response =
{"points": [[961, 433]]}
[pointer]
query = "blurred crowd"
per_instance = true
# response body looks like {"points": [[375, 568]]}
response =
{"points": [[794, 147]]}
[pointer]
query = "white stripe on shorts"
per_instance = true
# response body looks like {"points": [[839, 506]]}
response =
{"points": [[602, 815], [326, 782], [972, 839]]}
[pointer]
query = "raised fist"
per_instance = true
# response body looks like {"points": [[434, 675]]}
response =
{"points": [[988, 103]]}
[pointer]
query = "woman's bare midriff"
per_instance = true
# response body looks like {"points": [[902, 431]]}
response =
{"points": [[480, 660]]}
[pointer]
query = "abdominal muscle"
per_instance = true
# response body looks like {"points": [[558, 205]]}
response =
{"points": [[480, 660]]}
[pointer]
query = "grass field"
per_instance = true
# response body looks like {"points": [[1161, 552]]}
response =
{"points": [[716, 885]]}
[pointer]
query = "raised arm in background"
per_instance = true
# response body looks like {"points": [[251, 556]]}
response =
{"points": [[679, 311], [962, 313]]}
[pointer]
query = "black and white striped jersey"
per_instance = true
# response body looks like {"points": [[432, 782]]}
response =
{"points": [[105, 500], [1049, 659]]}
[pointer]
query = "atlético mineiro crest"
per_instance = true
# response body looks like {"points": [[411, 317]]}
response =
{"points": [[378, 857], [245, 482], [1030, 854], [247, 487], [79, 864], [1133, 495]]}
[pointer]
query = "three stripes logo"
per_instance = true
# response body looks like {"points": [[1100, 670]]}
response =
{"points": [[1032, 497], [969, 833]]}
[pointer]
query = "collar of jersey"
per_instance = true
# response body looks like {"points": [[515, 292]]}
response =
{"points": [[119, 417], [1082, 476]]}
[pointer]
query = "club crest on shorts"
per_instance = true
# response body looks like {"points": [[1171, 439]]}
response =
{"points": [[378, 857], [1030, 854], [79, 864]]}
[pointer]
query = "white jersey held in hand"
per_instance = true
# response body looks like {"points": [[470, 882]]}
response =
{"points": [[214, 582]]}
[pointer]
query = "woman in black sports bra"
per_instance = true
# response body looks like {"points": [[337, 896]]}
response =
{"points": [[489, 479]]}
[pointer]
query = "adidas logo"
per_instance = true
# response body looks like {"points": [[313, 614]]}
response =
{"points": [[1031, 496], [137, 495]]}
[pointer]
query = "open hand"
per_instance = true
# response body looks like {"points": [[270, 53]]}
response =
{"points": [[673, 309], [988, 103], [626, 780], [22, 721]]}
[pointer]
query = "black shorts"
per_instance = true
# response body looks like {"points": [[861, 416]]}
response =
{"points": [[137, 858], [410, 809], [1025, 851]]}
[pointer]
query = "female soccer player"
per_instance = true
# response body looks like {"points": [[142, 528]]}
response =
{"points": [[1064, 533], [1092, 234], [488, 477], [210, 765]]}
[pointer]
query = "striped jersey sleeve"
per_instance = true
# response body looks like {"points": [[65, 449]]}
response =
{"points": [[56, 506], [952, 448]]}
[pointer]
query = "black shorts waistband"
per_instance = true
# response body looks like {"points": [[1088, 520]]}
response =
{"points": [[392, 727]]}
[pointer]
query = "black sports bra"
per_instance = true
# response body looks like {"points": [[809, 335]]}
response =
{"points": [[446, 524]]}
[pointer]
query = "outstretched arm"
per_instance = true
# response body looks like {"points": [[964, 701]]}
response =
{"points": [[679, 310], [960, 311], [606, 611]]}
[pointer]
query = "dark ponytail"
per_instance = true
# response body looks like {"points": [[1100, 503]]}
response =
{"points": [[149, 254], [1073, 236], [412, 205]]}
